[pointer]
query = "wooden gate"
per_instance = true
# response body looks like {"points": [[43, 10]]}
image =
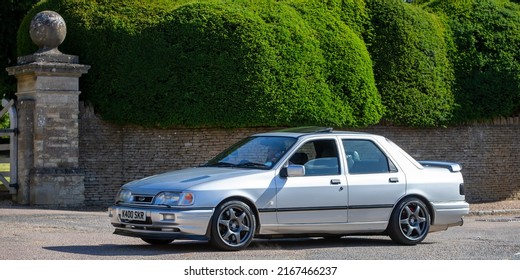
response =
{"points": [[9, 149]]}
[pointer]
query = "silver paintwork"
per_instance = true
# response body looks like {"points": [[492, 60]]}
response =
{"points": [[339, 204]]}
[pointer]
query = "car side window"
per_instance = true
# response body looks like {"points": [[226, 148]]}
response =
{"points": [[365, 157], [319, 157]]}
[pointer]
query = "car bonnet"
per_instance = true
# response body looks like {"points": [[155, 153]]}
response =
{"points": [[180, 180]]}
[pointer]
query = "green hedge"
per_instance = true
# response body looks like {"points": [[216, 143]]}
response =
{"points": [[11, 14], [348, 66], [409, 48], [218, 63], [487, 56], [242, 63]]}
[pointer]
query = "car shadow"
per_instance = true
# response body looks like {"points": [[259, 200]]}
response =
{"points": [[185, 247], [317, 243], [113, 250]]}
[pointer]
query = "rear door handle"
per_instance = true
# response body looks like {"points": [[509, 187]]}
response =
{"points": [[393, 180]]}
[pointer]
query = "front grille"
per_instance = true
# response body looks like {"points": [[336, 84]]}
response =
{"points": [[148, 228], [142, 199]]}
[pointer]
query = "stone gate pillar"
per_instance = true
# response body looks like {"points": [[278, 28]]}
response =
{"points": [[48, 106]]}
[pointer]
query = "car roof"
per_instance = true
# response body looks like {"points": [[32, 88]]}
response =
{"points": [[309, 130]]}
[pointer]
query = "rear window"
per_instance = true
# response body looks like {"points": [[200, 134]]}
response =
{"points": [[405, 154]]}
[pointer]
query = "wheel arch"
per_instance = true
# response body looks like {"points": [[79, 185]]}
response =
{"points": [[421, 198], [243, 199]]}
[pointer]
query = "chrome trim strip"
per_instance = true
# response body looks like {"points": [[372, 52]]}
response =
{"points": [[376, 206]]}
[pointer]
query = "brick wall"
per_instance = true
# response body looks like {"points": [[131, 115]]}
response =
{"points": [[113, 155]]}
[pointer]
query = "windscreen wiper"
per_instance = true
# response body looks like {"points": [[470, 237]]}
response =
{"points": [[220, 164], [252, 164]]}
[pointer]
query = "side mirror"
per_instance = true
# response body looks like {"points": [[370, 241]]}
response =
{"points": [[293, 171]]}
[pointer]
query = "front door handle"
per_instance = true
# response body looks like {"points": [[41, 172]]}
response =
{"points": [[393, 180], [335, 182]]}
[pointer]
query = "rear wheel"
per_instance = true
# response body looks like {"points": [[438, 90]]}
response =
{"points": [[410, 222], [233, 226], [157, 241]]}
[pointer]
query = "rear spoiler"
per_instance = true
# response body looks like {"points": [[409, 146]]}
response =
{"points": [[452, 166]]}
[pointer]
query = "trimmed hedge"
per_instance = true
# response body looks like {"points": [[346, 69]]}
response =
{"points": [[353, 13], [217, 63], [242, 63], [11, 14], [487, 56], [348, 66], [409, 48]]}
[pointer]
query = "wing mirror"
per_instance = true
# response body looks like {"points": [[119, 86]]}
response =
{"points": [[292, 171]]}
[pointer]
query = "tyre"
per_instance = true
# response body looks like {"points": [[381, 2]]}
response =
{"points": [[233, 226], [157, 241], [410, 222], [332, 237]]}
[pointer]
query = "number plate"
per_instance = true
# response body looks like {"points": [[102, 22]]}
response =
{"points": [[134, 215]]}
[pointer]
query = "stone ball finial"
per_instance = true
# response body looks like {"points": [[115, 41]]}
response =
{"points": [[47, 31]]}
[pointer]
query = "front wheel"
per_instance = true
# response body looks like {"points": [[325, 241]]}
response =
{"points": [[410, 222], [233, 226]]}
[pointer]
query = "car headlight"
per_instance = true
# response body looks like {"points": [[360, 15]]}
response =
{"points": [[124, 196], [174, 199]]}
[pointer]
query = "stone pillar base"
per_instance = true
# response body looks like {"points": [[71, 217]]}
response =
{"points": [[57, 187]]}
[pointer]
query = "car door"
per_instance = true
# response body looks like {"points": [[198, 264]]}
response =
{"points": [[320, 196], [374, 181]]}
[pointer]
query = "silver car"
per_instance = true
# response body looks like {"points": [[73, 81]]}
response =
{"points": [[295, 182]]}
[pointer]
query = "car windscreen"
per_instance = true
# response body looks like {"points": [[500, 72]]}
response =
{"points": [[261, 152]]}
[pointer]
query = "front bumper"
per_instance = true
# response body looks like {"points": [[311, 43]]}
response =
{"points": [[162, 222], [449, 214]]}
